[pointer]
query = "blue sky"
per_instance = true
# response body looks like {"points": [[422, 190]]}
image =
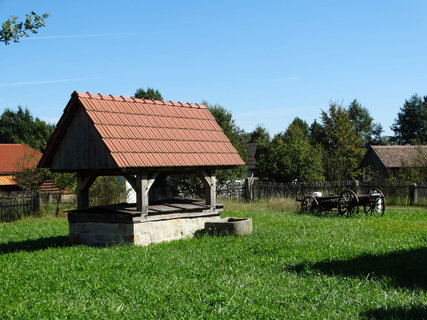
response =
{"points": [[265, 61]]}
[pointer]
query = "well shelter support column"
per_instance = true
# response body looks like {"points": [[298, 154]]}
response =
{"points": [[83, 184], [143, 183], [209, 180]]}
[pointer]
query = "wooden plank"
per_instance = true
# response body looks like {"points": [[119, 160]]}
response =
{"points": [[82, 147], [187, 206], [163, 208], [172, 216]]}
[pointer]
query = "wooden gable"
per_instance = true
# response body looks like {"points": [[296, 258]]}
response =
{"points": [[81, 147]]}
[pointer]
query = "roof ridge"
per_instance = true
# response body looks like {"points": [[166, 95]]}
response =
{"points": [[99, 96], [20, 145]]}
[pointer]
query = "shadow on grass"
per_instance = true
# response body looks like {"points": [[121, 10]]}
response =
{"points": [[415, 312], [406, 269], [320, 214], [35, 245]]}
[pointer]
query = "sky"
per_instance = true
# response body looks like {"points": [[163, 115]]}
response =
{"points": [[265, 61]]}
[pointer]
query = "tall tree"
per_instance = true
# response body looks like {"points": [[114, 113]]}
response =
{"points": [[342, 147], [316, 134], [150, 94], [363, 124], [290, 156], [12, 30], [21, 127], [305, 160], [259, 136], [410, 127], [302, 124], [235, 134]]}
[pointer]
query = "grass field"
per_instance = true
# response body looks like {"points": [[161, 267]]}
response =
{"points": [[291, 267]]}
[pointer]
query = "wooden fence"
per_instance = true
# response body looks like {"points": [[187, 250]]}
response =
{"points": [[18, 204], [397, 193]]}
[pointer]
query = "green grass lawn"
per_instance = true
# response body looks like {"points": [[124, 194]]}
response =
{"points": [[291, 267]]}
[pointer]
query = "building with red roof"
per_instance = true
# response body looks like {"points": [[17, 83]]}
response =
{"points": [[14, 158]]}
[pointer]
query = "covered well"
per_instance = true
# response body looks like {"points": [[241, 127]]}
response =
{"points": [[141, 140]]}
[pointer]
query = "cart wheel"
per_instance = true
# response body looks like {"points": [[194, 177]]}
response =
{"points": [[376, 204], [348, 203], [309, 204]]}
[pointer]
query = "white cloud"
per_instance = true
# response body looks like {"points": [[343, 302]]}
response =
{"points": [[89, 35], [25, 83]]}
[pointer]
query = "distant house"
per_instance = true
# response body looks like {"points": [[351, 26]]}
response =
{"points": [[14, 158], [387, 160], [251, 162]]}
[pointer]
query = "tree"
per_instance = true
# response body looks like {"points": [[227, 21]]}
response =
{"points": [[316, 134], [150, 94], [225, 120], [30, 179], [306, 160], [21, 127], [363, 124], [107, 189], [342, 147], [260, 136], [302, 124], [13, 31], [410, 127], [63, 181], [291, 157]]}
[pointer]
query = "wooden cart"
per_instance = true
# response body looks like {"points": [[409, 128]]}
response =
{"points": [[347, 203]]}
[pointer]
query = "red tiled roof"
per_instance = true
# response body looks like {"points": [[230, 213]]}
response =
{"points": [[149, 133], [396, 156], [48, 187], [15, 157]]}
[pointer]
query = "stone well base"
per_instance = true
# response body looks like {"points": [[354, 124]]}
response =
{"points": [[140, 233], [121, 224]]}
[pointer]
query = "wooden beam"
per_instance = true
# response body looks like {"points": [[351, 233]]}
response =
{"points": [[143, 184], [151, 181], [209, 180], [203, 175], [132, 181], [83, 185]]}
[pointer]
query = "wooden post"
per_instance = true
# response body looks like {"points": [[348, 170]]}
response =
{"points": [[83, 185], [209, 180], [413, 194], [142, 187]]}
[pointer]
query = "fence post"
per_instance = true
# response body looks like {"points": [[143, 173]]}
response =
{"points": [[413, 194], [247, 189]]}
